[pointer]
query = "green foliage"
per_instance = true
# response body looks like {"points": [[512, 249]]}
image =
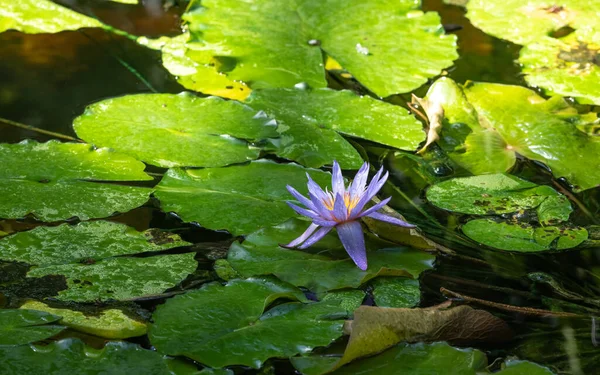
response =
{"points": [[240, 199], [396, 292], [56, 181], [19, 327], [175, 130]]}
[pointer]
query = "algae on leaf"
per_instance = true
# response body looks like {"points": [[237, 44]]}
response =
{"points": [[388, 45], [56, 181], [18, 327], [176, 130], [310, 120]]}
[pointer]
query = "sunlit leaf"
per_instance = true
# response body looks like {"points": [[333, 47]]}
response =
{"points": [[240, 199], [225, 325], [19, 327], [83, 242], [516, 367], [56, 181], [175, 130], [310, 120], [389, 46], [260, 254], [41, 16], [110, 323]]}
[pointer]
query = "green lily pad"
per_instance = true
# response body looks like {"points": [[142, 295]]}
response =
{"points": [[523, 237], [18, 327], [415, 359], [110, 323], [56, 181], [350, 299], [567, 66], [176, 130], [72, 356], [486, 125], [240, 199], [499, 194], [396, 292], [536, 19], [279, 44], [260, 254], [312, 119], [85, 241], [517, 367], [225, 325], [41, 16], [120, 278]]}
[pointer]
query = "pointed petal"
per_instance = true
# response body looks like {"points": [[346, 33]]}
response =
{"points": [[340, 211], [374, 187], [325, 223], [360, 181], [352, 238], [320, 207], [304, 211], [376, 207], [315, 189], [302, 237], [391, 220], [301, 198], [337, 180], [315, 237]]}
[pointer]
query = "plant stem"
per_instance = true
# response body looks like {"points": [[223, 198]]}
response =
{"points": [[38, 130]]}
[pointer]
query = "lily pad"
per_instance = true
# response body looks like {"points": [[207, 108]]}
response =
{"points": [[41, 16], [120, 278], [240, 199], [225, 325], [310, 121], [523, 237], [176, 130], [85, 241], [110, 323], [260, 254], [486, 125], [19, 327], [517, 367], [279, 44], [499, 194], [396, 292], [56, 181], [72, 356]]}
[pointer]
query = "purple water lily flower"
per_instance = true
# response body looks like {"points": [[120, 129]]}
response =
{"points": [[341, 208]]}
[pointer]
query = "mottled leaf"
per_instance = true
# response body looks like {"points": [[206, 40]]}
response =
{"points": [[18, 327], [396, 292]]}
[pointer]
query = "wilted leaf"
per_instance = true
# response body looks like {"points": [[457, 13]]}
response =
{"points": [[19, 327]]}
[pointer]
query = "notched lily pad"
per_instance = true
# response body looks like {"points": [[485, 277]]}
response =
{"points": [[240, 199], [56, 181], [19, 327], [176, 130]]}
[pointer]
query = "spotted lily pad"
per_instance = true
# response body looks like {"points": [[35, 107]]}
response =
{"points": [[41, 16], [310, 120], [72, 356], [485, 125], [260, 254], [176, 130], [240, 199], [396, 292], [110, 323], [19, 327], [498, 194], [227, 325], [84, 242], [279, 44], [523, 237], [56, 181]]}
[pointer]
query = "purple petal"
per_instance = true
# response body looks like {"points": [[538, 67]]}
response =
{"points": [[352, 238], [337, 181], [325, 223], [301, 198], [320, 207], [315, 189], [303, 211], [374, 187], [315, 237], [391, 220], [340, 211], [302, 237], [360, 181], [376, 207]]}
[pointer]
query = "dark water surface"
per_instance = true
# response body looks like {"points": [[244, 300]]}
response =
{"points": [[47, 80]]}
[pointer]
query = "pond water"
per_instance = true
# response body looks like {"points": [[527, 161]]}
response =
{"points": [[49, 79]]}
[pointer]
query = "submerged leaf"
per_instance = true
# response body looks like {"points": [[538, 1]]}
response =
{"points": [[240, 199], [18, 327], [56, 181]]}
